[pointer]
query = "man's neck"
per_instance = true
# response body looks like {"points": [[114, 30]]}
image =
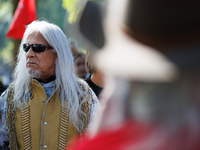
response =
{"points": [[51, 78]]}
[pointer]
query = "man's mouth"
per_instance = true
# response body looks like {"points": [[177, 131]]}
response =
{"points": [[30, 63]]}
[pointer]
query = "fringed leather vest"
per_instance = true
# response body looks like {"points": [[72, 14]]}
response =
{"points": [[42, 123]]}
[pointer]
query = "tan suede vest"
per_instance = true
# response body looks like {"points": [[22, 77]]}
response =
{"points": [[41, 124]]}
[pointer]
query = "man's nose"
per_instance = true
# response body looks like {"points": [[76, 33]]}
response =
{"points": [[30, 53]]}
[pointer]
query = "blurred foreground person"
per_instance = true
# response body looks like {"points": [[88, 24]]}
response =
{"points": [[152, 54], [79, 65], [46, 105]]}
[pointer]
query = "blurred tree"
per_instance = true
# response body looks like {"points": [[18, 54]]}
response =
{"points": [[6, 45], [73, 8], [5, 17], [16, 42], [51, 10]]}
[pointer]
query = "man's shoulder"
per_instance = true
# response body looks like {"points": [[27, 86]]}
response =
{"points": [[87, 89], [8, 91], [83, 85]]}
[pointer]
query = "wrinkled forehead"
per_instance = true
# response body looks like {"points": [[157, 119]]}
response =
{"points": [[36, 37]]}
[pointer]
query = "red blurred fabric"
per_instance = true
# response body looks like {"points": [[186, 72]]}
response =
{"points": [[117, 139], [25, 13], [133, 135]]}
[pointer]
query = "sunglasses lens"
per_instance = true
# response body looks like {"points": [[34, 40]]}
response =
{"points": [[38, 48], [26, 47]]}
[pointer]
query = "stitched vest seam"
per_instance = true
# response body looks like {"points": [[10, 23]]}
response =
{"points": [[26, 128], [63, 128]]}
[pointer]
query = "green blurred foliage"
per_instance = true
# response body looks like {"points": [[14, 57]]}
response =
{"points": [[6, 45], [6, 53], [74, 7], [51, 10], [5, 18]]}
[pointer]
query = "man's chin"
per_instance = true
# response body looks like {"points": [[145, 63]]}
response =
{"points": [[34, 73]]}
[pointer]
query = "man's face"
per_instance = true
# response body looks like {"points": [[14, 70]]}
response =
{"points": [[80, 67], [40, 65]]}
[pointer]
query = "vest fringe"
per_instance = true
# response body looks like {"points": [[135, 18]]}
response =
{"points": [[10, 120]]}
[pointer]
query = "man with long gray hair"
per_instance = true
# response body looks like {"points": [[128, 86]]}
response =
{"points": [[46, 104]]}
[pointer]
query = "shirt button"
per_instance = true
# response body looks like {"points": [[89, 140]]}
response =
{"points": [[45, 146], [43, 101], [45, 123]]}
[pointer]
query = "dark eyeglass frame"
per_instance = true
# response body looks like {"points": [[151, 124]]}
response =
{"points": [[37, 48]]}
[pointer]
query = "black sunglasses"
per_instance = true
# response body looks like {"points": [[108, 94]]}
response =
{"points": [[37, 48]]}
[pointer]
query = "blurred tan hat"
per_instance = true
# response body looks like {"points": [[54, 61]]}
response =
{"points": [[130, 25]]}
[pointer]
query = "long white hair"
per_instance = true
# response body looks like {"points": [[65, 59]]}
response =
{"points": [[66, 80]]}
